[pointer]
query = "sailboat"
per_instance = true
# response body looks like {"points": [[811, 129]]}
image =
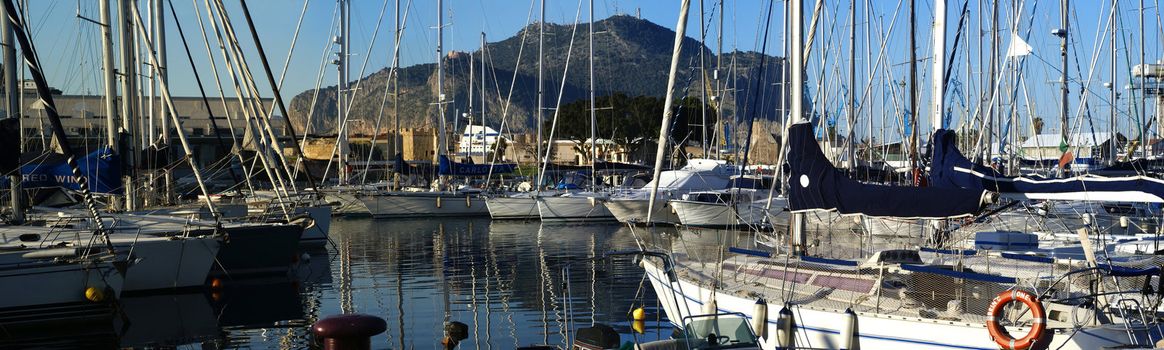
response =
{"points": [[68, 283], [441, 201], [581, 206], [894, 298], [630, 205], [523, 204], [744, 204]]}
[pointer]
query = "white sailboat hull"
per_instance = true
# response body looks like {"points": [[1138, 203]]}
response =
{"points": [[166, 263], [573, 209], [316, 232], [819, 328], [345, 204], [634, 211], [406, 204], [513, 208], [721, 215], [707, 215], [44, 291]]}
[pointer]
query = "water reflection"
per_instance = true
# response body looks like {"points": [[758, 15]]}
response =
{"points": [[504, 279], [169, 320]]}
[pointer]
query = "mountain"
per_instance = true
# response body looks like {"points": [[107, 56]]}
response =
{"points": [[631, 56]]}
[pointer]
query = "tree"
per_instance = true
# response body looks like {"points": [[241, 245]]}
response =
{"points": [[620, 116], [1038, 124]]}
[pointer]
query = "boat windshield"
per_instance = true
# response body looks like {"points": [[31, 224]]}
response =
{"points": [[719, 332]]}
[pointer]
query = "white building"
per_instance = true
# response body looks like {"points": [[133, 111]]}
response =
{"points": [[477, 140]]}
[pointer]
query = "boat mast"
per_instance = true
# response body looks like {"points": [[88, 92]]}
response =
{"points": [[1064, 33], [852, 103], [702, 77], [719, 95], [469, 111], [541, 93], [290, 127], [168, 102], [1115, 96], [484, 135], [108, 73], [441, 142], [796, 78], [937, 76], [1143, 102], [913, 115], [341, 92], [664, 128], [159, 24], [593, 116], [989, 97], [12, 106], [129, 103], [396, 139]]}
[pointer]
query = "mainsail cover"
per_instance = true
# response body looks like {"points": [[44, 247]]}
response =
{"points": [[951, 169], [102, 168], [449, 167], [814, 184]]}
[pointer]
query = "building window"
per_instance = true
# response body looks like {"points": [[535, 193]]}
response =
{"points": [[198, 132]]}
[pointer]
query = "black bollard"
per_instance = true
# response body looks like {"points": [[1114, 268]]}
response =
{"points": [[348, 331], [455, 332]]}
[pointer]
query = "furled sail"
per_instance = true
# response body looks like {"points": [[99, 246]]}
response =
{"points": [[814, 184], [449, 167], [951, 169]]}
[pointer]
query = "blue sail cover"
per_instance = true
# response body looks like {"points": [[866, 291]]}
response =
{"points": [[102, 168], [951, 169], [814, 184], [449, 167]]}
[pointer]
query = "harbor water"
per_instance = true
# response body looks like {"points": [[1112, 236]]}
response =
{"points": [[502, 279]]}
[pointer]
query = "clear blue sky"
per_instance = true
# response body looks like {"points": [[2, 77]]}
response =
{"points": [[70, 49]]}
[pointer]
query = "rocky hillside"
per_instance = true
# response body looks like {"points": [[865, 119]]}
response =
{"points": [[631, 56]]}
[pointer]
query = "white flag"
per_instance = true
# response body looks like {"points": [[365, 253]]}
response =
{"points": [[1018, 47]]}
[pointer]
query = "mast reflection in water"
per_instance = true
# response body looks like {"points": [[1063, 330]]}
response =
{"points": [[503, 279]]}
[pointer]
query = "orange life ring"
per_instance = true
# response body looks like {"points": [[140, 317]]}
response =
{"points": [[999, 333]]}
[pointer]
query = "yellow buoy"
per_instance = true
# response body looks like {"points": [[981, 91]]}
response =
{"points": [[639, 327], [94, 294], [639, 314]]}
